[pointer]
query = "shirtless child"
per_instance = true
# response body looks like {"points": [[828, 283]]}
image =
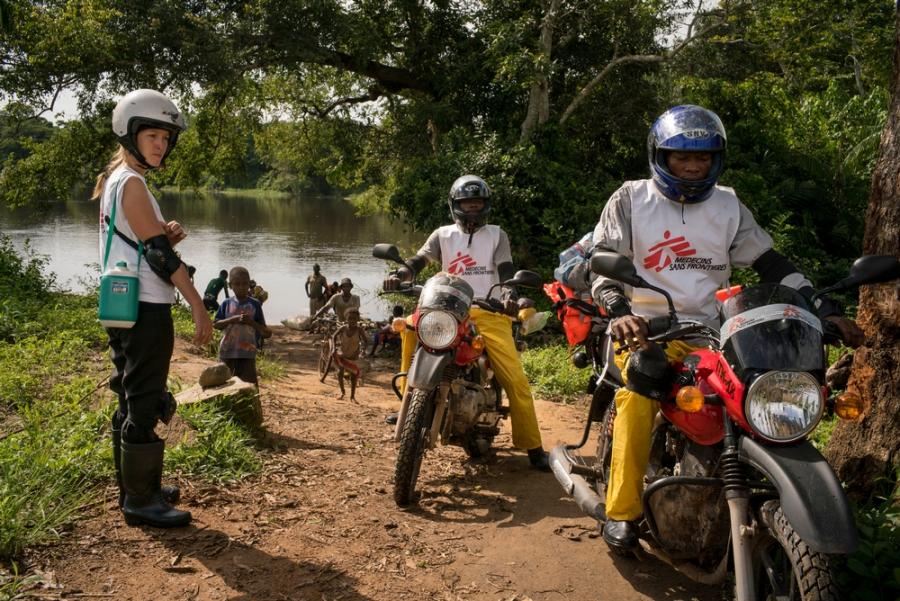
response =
{"points": [[349, 343]]}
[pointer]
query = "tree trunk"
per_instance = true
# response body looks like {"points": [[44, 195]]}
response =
{"points": [[539, 98], [863, 451]]}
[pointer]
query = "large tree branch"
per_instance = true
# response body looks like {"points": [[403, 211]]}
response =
{"points": [[374, 93], [392, 80], [662, 57]]}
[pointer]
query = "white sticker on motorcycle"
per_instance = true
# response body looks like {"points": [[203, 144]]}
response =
{"points": [[760, 315]]}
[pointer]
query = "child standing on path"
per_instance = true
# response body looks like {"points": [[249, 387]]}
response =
{"points": [[349, 344], [241, 317]]}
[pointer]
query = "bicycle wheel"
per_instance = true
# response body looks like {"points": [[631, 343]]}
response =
{"points": [[326, 358]]}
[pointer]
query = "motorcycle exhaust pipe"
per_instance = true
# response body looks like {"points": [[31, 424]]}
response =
{"points": [[575, 485]]}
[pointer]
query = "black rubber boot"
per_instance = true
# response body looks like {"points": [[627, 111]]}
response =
{"points": [[141, 475], [172, 494], [539, 459]]}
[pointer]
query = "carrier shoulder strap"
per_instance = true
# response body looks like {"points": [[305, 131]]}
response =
{"points": [[111, 223]]}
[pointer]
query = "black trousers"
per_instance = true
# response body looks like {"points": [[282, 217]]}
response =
{"points": [[245, 369], [140, 357]]}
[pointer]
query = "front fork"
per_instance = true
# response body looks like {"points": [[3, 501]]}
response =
{"points": [[737, 495]]}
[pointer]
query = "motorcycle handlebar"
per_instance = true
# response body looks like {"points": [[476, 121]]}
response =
{"points": [[489, 304]]}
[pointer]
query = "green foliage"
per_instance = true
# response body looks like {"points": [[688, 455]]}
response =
{"points": [[552, 374], [48, 470], [222, 451], [269, 367], [872, 573]]}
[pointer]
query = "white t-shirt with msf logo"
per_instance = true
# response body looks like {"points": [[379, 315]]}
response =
{"points": [[686, 249], [477, 262]]}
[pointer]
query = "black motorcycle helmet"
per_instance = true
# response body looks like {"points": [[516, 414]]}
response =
{"points": [[466, 187]]}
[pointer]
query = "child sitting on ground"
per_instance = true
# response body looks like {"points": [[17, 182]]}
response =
{"points": [[241, 317], [386, 333], [349, 343]]}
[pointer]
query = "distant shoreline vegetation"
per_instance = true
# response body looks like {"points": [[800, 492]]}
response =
{"points": [[236, 192]]}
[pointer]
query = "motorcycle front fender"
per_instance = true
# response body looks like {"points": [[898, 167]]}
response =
{"points": [[427, 369], [811, 496]]}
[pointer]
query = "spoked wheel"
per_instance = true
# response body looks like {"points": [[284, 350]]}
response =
{"points": [[604, 449], [413, 442], [784, 567], [603, 462], [326, 357]]}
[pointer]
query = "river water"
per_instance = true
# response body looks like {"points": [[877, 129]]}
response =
{"points": [[278, 239]]}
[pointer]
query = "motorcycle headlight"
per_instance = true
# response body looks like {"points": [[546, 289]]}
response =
{"points": [[784, 406], [437, 329]]}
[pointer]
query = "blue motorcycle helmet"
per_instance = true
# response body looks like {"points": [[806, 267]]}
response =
{"points": [[686, 128]]}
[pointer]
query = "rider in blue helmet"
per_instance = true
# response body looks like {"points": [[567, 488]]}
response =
{"points": [[685, 233], [686, 132]]}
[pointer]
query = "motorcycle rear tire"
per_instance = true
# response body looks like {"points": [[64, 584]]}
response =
{"points": [[413, 442], [803, 570]]}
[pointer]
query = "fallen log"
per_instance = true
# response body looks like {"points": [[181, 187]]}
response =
{"points": [[239, 397]]}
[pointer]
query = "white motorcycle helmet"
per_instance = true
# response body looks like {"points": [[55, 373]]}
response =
{"points": [[146, 108]]}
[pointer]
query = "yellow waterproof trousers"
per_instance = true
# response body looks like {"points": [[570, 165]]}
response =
{"points": [[501, 348], [497, 332], [631, 441]]}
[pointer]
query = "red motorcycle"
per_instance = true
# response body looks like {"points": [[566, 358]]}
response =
{"points": [[732, 480], [452, 396]]}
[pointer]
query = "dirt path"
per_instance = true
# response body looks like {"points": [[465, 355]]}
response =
{"points": [[319, 523]]}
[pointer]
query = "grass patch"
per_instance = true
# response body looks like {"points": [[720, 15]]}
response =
{"points": [[552, 374], [222, 450], [50, 468], [269, 367]]}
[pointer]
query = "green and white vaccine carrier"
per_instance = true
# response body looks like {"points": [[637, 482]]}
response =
{"points": [[119, 286]]}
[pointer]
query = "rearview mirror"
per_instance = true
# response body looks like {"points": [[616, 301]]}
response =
{"points": [[617, 267], [388, 252], [526, 278], [870, 269], [874, 269]]}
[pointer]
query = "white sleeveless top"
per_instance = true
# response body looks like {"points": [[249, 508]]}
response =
{"points": [[473, 263], [689, 261], [153, 288]]}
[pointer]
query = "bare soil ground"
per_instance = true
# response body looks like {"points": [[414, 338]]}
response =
{"points": [[319, 522]]}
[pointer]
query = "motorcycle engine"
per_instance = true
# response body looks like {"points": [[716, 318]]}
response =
{"points": [[691, 519], [470, 404]]}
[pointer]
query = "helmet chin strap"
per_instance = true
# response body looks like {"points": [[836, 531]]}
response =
{"points": [[131, 147]]}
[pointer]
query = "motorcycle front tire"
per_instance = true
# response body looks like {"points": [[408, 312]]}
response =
{"points": [[783, 564], [413, 440]]}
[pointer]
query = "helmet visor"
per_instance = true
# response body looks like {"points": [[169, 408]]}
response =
{"points": [[691, 129]]}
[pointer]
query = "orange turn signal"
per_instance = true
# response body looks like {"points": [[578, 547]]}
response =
{"points": [[849, 406], [399, 324], [478, 343], [689, 399]]}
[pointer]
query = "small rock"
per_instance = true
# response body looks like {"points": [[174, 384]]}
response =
{"points": [[215, 375]]}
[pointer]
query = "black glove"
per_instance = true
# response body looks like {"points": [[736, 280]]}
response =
{"points": [[614, 301]]}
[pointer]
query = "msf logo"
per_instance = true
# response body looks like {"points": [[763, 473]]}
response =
{"points": [[459, 265], [663, 254]]}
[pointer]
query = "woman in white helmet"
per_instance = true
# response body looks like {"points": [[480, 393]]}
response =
{"points": [[147, 125]]}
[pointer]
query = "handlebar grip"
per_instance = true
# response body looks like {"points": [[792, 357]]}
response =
{"points": [[658, 325]]}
